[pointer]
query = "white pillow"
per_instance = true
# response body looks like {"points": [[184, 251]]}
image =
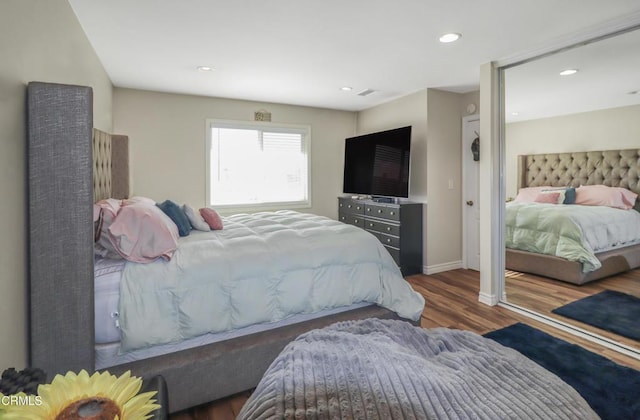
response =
{"points": [[196, 220]]}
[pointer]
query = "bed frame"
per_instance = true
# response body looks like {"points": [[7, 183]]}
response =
{"points": [[65, 154], [615, 168]]}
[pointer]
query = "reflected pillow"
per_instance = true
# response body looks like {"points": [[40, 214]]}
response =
{"points": [[529, 194], [602, 195], [568, 194], [550, 197], [212, 218]]}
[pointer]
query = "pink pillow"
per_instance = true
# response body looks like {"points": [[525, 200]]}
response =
{"points": [[212, 218], [549, 197], [142, 232], [602, 195], [529, 194]]}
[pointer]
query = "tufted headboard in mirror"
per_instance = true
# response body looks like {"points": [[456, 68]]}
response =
{"points": [[614, 168]]}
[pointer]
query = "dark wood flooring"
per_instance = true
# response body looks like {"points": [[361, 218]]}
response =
{"points": [[543, 295], [451, 301]]}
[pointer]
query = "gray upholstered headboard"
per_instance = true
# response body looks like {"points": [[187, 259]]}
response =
{"points": [[60, 155], [615, 168], [110, 165]]}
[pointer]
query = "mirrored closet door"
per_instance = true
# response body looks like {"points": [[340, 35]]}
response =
{"points": [[559, 110]]}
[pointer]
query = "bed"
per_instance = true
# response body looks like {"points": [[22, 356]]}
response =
{"points": [[72, 295], [612, 168]]}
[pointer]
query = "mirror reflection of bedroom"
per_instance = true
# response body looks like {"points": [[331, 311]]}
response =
{"points": [[572, 231]]}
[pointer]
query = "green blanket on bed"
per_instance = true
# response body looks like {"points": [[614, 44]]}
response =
{"points": [[552, 230]]}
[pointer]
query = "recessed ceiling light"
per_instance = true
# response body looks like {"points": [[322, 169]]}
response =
{"points": [[450, 37], [205, 68], [568, 72], [346, 88]]}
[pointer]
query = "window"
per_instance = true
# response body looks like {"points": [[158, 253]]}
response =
{"points": [[259, 165]]}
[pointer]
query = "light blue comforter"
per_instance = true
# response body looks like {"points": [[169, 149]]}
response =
{"points": [[261, 267]]}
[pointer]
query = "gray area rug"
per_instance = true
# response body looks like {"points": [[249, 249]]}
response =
{"points": [[383, 369]]}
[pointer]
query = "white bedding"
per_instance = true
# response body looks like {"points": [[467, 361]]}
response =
{"points": [[261, 268], [108, 354], [107, 273]]}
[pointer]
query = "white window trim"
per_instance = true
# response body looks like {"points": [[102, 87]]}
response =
{"points": [[231, 208]]}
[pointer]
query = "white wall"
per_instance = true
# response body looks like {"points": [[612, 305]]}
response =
{"points": [[614, 128], [167, 143], [436, 118], [39, 41]]}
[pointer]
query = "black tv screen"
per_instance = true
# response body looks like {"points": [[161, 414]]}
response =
{"points": [[377, 164]]}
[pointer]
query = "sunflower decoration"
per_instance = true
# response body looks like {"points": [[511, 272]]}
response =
{"points": [[101, 396]]}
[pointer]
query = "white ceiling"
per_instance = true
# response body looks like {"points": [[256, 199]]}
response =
{"points": [[608, 70], [302, 52]]}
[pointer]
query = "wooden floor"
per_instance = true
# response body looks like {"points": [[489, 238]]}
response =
{"points": [[451, 301], [543, 295]]}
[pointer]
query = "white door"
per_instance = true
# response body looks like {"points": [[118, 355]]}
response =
{"points": [[470, 196]]}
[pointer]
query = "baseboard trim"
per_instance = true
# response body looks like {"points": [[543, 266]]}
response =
{"points": [[439, 268], [491, 300]]}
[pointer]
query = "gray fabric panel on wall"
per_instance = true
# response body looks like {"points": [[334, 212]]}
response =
{"points": [[60, 121]]}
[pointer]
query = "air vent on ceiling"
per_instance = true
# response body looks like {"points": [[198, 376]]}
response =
{"points": [[366, 92]]}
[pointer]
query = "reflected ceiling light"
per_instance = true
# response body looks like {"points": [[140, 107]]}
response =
{"points": [[568, 72], [515, 114], [205, 68], [450, 37], [346, 88]]}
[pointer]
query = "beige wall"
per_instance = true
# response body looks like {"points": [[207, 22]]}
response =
{"points": [[436, 118], [444, 170], [167, 143], [40, 40], [615, 128], [408, 110]]}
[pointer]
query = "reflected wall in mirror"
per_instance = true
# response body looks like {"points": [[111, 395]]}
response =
{"points": [[567, 246]]}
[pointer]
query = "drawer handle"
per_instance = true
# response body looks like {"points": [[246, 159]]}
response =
{"points": [[388, 240], [349, 206], [370, 224], [342, 218], [392, 213], [368, 208], [356, 221], [341, 204], [388, 229], [358, 208], [379, 211]]}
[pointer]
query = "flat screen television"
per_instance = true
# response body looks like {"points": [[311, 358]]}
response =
{"points": [[377, 164]]}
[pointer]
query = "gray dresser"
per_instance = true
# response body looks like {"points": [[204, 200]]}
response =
{"points": [[397, 225]]}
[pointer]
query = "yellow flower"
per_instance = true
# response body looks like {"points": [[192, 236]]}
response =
{"points": [[101, 395]]}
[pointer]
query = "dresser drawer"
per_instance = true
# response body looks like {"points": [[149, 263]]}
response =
{"points": [[387, 240], [383, 212], [351, 219], [382, 227], [350, 206]]}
